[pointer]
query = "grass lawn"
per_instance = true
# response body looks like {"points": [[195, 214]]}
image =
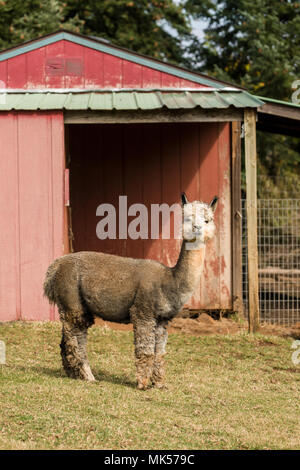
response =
{"points": [[224, 392]]}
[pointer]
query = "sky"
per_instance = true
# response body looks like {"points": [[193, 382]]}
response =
{"points": [[197, 26]]}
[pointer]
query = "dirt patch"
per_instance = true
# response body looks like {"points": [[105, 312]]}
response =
{"points": [[206, 325], [114, 326], [265, 343], [293, 370], [203, 325], [280, 330]]}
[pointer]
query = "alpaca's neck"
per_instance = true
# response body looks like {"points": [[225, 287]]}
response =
{"points": [[188, 269]]}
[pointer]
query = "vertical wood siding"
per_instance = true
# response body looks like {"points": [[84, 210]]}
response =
{"points": [[67, 65], [152, 164], [31, 210]]}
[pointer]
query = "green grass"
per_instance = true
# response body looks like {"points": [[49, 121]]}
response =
{"points": [[224, 392]]}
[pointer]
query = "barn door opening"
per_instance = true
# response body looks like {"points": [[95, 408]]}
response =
{"points": [[95, 166], [152, 164], [138, 161]]}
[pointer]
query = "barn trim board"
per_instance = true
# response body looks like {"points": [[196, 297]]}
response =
{"points": [[236, 218], [130, 117]]}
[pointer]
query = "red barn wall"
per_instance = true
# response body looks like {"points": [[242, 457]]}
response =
{"points": [[150, 163], [154, 163], [31, 210], [65, 64]]}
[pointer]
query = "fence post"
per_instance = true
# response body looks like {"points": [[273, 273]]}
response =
{"points": [[251, 207], [236, 218]]}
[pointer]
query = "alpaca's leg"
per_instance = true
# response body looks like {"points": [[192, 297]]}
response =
{"points": [[161, 336], [73, 351], [144, 342]]}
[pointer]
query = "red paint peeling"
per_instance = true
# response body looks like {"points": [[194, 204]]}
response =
{"points": [[70, 65], [205, 271], [225, 291], [214, 265], [222, 264]]}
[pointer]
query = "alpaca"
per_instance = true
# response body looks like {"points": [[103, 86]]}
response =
{"points": [[86, 285]]}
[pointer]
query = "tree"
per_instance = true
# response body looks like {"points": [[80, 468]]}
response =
{"points": [[255, 44], [149, 27], [22, 21], [156, 28]]}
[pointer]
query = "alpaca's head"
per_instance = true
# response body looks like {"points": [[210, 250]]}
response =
{"points": [[198, 220]]}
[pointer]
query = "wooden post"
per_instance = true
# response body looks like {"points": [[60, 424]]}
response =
{"points": [[251, 206], [236, 218], [67, 208]]}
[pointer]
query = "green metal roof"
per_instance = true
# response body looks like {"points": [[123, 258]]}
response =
{"points": [[280, 102], [126, 100]]}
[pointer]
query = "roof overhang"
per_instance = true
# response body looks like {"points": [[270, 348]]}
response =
{"points": [[135, 105], [279, 117], [125, 99]]}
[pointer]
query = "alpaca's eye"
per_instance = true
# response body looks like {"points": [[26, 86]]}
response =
{"points": [[206, 221]]}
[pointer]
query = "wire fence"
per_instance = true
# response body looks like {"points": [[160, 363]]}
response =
{"points": [[278, 260]]}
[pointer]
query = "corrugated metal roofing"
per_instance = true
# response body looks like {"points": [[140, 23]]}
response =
{"points": [[283, 103], [126, 100]]}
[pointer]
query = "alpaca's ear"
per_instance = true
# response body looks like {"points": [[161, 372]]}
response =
{"points": [[213, 203], [184, 199]]}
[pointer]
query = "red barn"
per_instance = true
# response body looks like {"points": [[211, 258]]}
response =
{"points": [[82, 122]]}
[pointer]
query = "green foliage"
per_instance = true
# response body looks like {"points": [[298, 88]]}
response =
{"points": [[281, 153], [154, 28], [22, 21], [138, 25], [279, 166], [256, 44]]}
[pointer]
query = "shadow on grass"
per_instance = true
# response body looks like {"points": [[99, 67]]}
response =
{"points": [[288, 369], [100, 376], [59, 373], [104, 376]]}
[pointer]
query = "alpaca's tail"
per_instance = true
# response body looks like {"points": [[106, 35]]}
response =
{"points": [[50, 282]]}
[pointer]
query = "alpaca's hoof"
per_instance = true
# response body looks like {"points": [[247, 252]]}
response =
{"points": [[141, 387], [160, 385], [86, 374], [143, 384], [90, 380]]}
